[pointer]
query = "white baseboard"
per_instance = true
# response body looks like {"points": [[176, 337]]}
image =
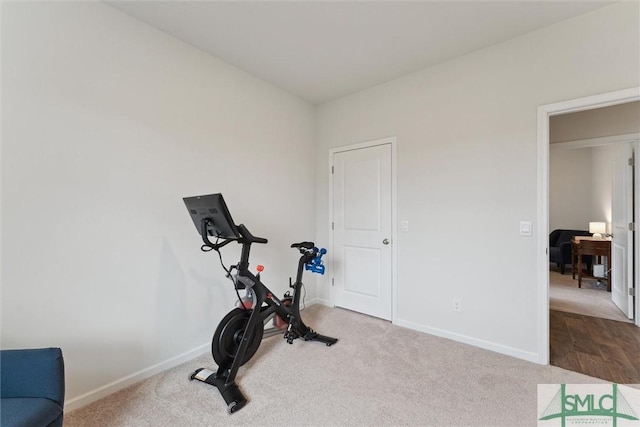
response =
{"points": [[99, 393], [487, 345], [320, 301]]}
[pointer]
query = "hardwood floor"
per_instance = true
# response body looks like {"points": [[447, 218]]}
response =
{"points": [[597, 347]]}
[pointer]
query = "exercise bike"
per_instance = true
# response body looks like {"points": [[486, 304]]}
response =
{"points": [[240, 332]]}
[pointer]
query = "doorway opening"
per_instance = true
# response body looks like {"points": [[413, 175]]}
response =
{"points": [[576, 322], [590, 187]]}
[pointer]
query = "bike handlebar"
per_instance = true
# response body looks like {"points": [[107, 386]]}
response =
{"points": [[250, 238]]}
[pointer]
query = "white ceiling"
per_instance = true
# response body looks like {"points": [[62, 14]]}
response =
{"points": [[322, 50]]}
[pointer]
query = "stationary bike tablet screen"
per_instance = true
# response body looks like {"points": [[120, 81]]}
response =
{"points": [[213, 208]]}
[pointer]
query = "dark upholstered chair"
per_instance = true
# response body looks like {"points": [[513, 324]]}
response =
{"points": [[560, 246], [31, 387]]}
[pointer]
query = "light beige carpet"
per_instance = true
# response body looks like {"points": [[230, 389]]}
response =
{"points": [[378, 374], [590, 300]]}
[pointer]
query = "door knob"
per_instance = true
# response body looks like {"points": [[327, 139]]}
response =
{"points": [[385, 241]]}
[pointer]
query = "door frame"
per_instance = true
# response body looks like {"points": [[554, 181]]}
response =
{"points": [[392, 140], [542, 237]]}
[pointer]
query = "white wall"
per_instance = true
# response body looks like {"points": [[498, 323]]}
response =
{"points": [[581, 185], [619, 119], [466, 132], [107, 124], [571, 188]]}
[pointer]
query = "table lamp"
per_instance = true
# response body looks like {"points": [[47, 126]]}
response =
{"points": [[598, 229]]}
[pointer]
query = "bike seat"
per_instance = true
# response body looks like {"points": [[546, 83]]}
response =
{"points": [[306, 245]]}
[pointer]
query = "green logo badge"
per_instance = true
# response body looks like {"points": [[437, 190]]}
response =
{"points": [[589, 404]]}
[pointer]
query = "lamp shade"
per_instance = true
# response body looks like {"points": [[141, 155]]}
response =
{"points": [[597, 228]]}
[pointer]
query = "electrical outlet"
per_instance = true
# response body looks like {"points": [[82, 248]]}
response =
{"points": [[457, 305]]}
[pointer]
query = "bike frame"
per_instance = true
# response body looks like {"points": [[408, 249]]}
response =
{"points": [[265, 304], [262, 295]]}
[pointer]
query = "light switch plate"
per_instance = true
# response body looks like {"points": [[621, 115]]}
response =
{"points": [[404, 225], [525, 228]]}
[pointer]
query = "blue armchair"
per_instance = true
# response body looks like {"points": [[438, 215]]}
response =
{"points": [[31, 387]]}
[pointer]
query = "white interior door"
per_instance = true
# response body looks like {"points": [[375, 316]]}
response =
{"points": [[362, 206], [622, 243]]}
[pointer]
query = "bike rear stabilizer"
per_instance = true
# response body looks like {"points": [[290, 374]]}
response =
{"points": [[230, 391]]}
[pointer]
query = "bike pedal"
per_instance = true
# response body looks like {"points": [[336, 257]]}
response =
{"points": [[289, 337]]}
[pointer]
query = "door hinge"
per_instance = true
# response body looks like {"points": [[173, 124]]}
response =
{"points": [[632, 226], [333, 281], [631, 161], [632, 292], [332, 170], [332, 225]]}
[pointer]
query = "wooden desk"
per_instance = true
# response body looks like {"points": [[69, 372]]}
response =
{"points": [[590, 246]]}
